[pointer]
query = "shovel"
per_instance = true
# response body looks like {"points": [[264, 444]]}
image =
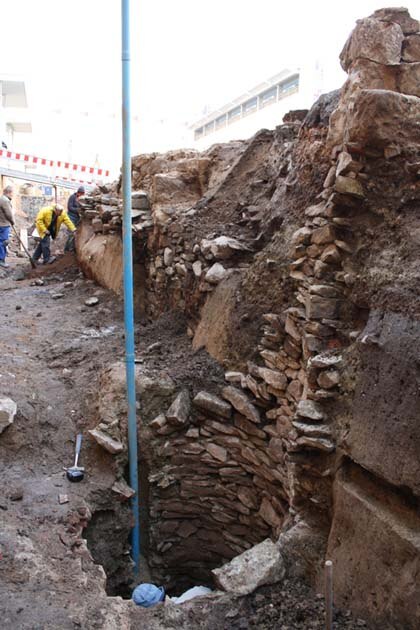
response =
{"points": [[76, 473], [33, 265]]}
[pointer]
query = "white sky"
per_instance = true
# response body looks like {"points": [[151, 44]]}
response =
{"points": [[186, 54]]}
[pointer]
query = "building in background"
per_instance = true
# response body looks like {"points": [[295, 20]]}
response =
{"points": [[262, 107], [14, 111]]}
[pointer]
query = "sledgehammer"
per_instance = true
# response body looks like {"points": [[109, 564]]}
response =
{"points": [[76, 473]]}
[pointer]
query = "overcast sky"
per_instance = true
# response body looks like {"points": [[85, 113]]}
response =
{"points": [[186, 54]]}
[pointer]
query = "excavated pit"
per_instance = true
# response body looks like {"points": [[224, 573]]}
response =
{"points": [[277, 375]]}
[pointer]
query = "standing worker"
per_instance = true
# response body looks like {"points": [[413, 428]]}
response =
{"points": [[7, 219], [48, 222], [73, 211]]}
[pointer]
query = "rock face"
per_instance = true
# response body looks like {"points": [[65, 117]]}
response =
{"points": [[256, 567], [312, 433], [8, 410]]}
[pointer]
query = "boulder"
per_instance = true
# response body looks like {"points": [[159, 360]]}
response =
{"points": [[222, 247], [8, 409], [241, 403], [398, 15], [213, 404], [375, 119], [374, 40], [178, 412], [215, 274], [263, 564]]}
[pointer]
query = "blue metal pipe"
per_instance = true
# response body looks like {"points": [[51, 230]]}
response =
{"points": [[128, 280]]}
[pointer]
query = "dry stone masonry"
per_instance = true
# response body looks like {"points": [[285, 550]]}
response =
{"points": [[293, 258]]}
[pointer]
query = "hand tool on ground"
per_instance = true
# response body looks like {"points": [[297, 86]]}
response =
{"points": [[33, 265], [76, 473]]}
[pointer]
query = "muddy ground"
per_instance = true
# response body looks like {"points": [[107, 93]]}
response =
{"points": [[53, 349]]}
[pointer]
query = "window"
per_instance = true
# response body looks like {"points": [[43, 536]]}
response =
{"points": [[289, 85], [198, 133], [221, 121], [268, 97], [209, 128], [234, 114], [250, 106]]}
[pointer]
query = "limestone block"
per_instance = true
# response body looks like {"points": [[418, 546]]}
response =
{"points": [[375, 119], [178, 412], [269, 514], [384, 432], [241, 403], [373, 539], [321, 308], [374, 40], [310, 410], [273, 377], [411, 48], [348, 186], [8, 409], [344, 163], [213, 404], [323, 235], [263, 564], [216, 451], [409, 79], [398, 15], [107, 442]]}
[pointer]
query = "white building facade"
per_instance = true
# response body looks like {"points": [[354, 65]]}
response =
{"points": [[14, 112], [262, 107]]}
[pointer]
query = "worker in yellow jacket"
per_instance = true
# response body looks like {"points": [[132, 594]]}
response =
{"points": [[48, 222]]}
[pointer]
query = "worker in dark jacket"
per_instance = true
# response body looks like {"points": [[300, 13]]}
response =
{"points": [[6, 220], [73, 206], [73, 212]]}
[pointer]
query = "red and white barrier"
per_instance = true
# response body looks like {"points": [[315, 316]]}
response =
{"points": [[67, 166]]}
